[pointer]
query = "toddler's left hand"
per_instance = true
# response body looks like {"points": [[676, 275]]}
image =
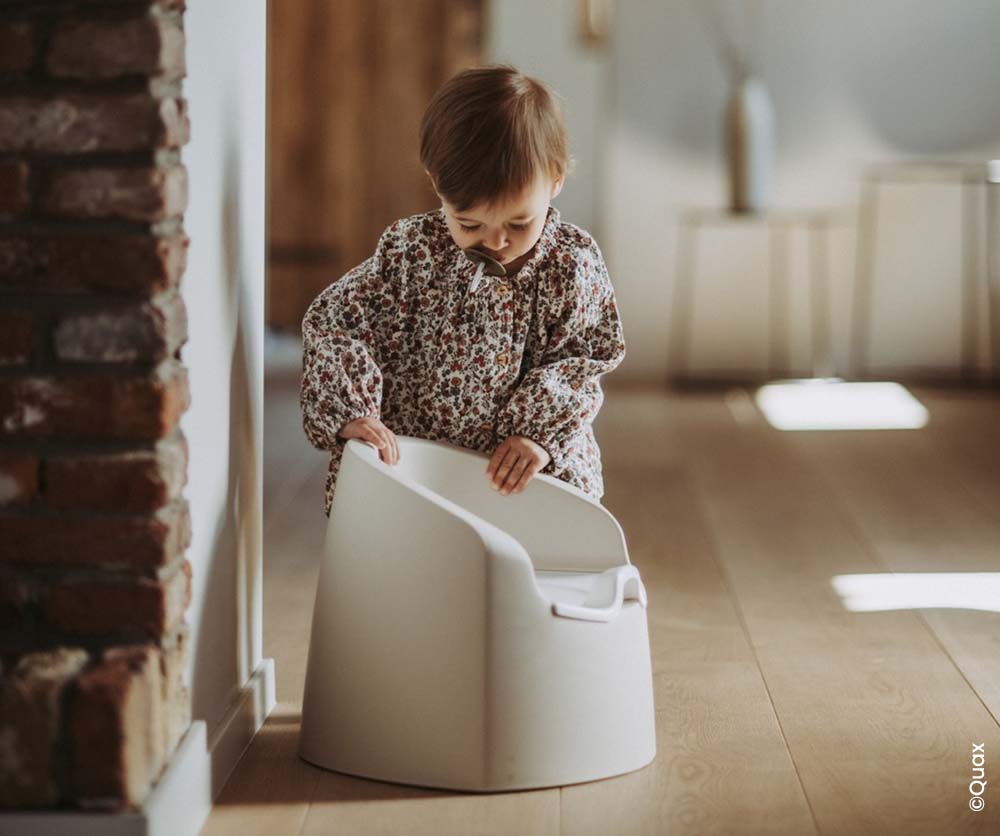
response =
{"points": [[514, 462]]}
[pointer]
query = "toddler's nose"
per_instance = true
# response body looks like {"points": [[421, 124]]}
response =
{"points": [[496, 242]]}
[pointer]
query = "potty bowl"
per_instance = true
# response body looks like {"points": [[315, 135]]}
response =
{"points": [[462, 639]]}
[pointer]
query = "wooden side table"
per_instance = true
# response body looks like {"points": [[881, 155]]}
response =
{"points": [[969, 177], [993, 261], [779, 225]]}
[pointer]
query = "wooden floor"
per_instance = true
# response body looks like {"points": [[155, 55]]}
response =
{"points": [[779, 709]]}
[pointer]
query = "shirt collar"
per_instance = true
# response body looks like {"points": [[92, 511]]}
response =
{"points": [[544, 244]]}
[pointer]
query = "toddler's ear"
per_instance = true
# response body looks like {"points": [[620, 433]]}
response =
{"points": [[556, 188]]}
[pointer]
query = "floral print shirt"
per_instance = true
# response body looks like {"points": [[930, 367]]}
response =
{"points": [[410, 337]]}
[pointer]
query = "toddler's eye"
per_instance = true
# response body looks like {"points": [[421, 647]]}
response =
{"points": [[469, 228], [519, 227]]}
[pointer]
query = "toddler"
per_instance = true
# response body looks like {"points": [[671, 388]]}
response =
{"points": [[420, 340]]}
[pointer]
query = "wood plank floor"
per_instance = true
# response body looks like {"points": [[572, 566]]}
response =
{"points": [[780, 710]]}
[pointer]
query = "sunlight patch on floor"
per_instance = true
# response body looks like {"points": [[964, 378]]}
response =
{"points": [[919, 590], [832, 404]]}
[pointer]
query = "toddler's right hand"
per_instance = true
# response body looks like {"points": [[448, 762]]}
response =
{"points": [[371, 429]]}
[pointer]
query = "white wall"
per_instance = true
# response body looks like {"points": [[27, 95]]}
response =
{"points": [[853, 83], [223, 289], [541, 40]]}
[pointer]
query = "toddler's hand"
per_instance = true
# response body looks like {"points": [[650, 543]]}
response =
{"points": [[514, 462], [371, 429]]}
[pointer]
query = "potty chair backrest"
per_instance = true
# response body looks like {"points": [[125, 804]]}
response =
{"points": [[560, 526]]}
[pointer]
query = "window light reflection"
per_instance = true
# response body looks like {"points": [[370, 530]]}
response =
{"points": [[919, 590], [832, 404]]}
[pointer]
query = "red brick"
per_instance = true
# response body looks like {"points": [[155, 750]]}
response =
{"points": [[146, 332], [18, 478], [137, 608], [74, 124], [30, 721], [100, 49], [140, 263], [92, 407], [16, 337], [14, 198], [141, 543], [115, 728], [17, 47], [142, 194], [134, 481], [15, 599], [176, 695]]}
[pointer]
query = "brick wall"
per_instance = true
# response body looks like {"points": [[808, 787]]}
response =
{"points": [[93, 525]]}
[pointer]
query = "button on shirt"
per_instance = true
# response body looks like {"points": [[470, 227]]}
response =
{"points": [[404, 337]]}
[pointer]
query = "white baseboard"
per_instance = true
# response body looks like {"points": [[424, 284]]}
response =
{"points": [[180, 802], [241, 722], [182, 799]]}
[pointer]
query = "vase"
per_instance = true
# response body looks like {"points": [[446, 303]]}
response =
{"points": [[749, 126]]}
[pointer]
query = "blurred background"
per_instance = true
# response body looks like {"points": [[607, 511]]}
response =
{"points": [[794, 200], [893, 96]]}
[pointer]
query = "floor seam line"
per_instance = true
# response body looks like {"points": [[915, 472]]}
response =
{"points": [[873, 551], [737, 606]]}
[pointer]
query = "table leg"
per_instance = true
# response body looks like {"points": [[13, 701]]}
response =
{"points": [[863, 277], [822, 355], [778, 257], [683, 299], [970, 250], [993, 274]]}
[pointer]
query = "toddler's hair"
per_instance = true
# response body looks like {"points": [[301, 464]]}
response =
{"points": [[488, 132]]}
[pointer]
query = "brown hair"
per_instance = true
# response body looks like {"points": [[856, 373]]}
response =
{"points": [[488, 132]]}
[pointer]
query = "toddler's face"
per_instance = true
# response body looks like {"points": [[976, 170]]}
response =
{"points": [[507, 230]]}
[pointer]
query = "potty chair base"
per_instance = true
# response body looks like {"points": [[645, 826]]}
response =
{"points": [[442, 655], [534, 720]]}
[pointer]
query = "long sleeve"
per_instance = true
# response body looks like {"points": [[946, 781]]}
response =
{"points": [[557, 398], [341, 377]]}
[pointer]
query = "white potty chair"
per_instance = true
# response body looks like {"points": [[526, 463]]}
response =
{"points": [[467, 640]]}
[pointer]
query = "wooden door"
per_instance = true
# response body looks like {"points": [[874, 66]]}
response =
{"points": [[348, 82]]}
